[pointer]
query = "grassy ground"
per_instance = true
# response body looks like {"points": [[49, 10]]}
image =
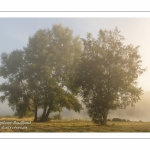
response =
{"points": [[11, 125]]}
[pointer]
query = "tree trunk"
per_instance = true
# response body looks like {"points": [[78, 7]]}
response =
{"points": [[104, 118], [44, 113], [47, 114], [35, 114]]}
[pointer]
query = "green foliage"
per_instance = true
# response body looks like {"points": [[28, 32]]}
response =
{"points": [[107, 75], [118, 119], [42, 73], [57, 117], [109, 120], [23, 110], [46, 119]]}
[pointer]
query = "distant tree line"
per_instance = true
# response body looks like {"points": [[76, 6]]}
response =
{"points": [[55, 68]]}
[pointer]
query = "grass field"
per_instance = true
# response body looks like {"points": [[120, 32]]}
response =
{"points": [[26, 125]]}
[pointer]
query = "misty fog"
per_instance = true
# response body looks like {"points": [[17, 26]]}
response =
{"points": [[141, 111]]}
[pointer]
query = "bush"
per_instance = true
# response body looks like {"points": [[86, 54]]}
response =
{"points": [[118, 119], [57, 117], [8, 116], [108, 119], [45, 120]]}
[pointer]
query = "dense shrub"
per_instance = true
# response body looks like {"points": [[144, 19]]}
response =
{"points": [[108, 119], [57, 117], [118, 119]]}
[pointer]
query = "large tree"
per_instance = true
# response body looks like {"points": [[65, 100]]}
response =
{"points": [[12, 70], [108, 74], [43, 72]]}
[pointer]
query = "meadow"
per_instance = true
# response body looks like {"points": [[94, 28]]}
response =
{"points": [[27, 125]]}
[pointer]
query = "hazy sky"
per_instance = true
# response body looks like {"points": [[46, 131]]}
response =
{"points": [[14, 34]]}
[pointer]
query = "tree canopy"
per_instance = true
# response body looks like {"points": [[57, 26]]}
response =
{"points": [[107, 75], [39, 76]]}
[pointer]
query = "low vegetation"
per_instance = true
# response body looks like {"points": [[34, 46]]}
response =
{"points": [[57, 117], [12, 124], [119, 119]]}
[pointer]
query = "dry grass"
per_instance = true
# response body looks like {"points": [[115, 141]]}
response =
{"points": [[71, 126]]}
